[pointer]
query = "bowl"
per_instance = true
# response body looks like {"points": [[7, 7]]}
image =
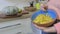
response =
{"points": [[10, 10], [50, 12]]}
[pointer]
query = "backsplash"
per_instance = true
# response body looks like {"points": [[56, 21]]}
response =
{"points": [[18, 3]]}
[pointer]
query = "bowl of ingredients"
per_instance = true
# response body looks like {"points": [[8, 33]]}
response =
{"points": [[44, 19]]}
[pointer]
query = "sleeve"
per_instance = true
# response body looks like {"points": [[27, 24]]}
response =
{"points": [[57, 27]]}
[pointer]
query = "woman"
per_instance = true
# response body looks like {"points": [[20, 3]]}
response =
{"points": [[55, 5]]}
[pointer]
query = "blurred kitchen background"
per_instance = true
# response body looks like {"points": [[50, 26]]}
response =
{"points": [[19, 25]]}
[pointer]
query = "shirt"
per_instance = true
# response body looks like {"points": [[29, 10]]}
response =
{"points": [[56, 4]]}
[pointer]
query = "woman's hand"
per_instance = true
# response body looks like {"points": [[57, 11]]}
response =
{"points": [[53, 8], [44, 7], [46, 29]]}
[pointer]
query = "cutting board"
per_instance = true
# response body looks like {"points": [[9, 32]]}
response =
{"points": [[15, 18]]}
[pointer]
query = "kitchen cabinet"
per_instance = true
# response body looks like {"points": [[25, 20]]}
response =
{"points": [[16, 27]]}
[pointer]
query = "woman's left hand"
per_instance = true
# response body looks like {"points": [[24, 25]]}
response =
{"points": [[46, 29]]}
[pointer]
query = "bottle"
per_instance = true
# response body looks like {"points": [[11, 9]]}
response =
{"points": [[32, 4], [37, 5]]}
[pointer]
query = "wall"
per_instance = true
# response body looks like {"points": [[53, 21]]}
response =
{"points": [[18, 3]]}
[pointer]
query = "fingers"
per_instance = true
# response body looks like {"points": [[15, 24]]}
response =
{"points": [[46, 29], [50, 29], [44, 7]]}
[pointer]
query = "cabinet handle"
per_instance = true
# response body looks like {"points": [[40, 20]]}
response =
{"points": [[18, 33], [11, 26]]}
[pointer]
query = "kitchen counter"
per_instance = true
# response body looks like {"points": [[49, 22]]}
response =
{"points": [[16, 18], [19, 3]]}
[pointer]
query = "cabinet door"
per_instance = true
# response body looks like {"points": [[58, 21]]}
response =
{"points": [[12, 29], [17, 27]]}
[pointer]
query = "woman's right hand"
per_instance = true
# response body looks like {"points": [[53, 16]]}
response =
{"points": [[44, 7], [51, 7]]}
